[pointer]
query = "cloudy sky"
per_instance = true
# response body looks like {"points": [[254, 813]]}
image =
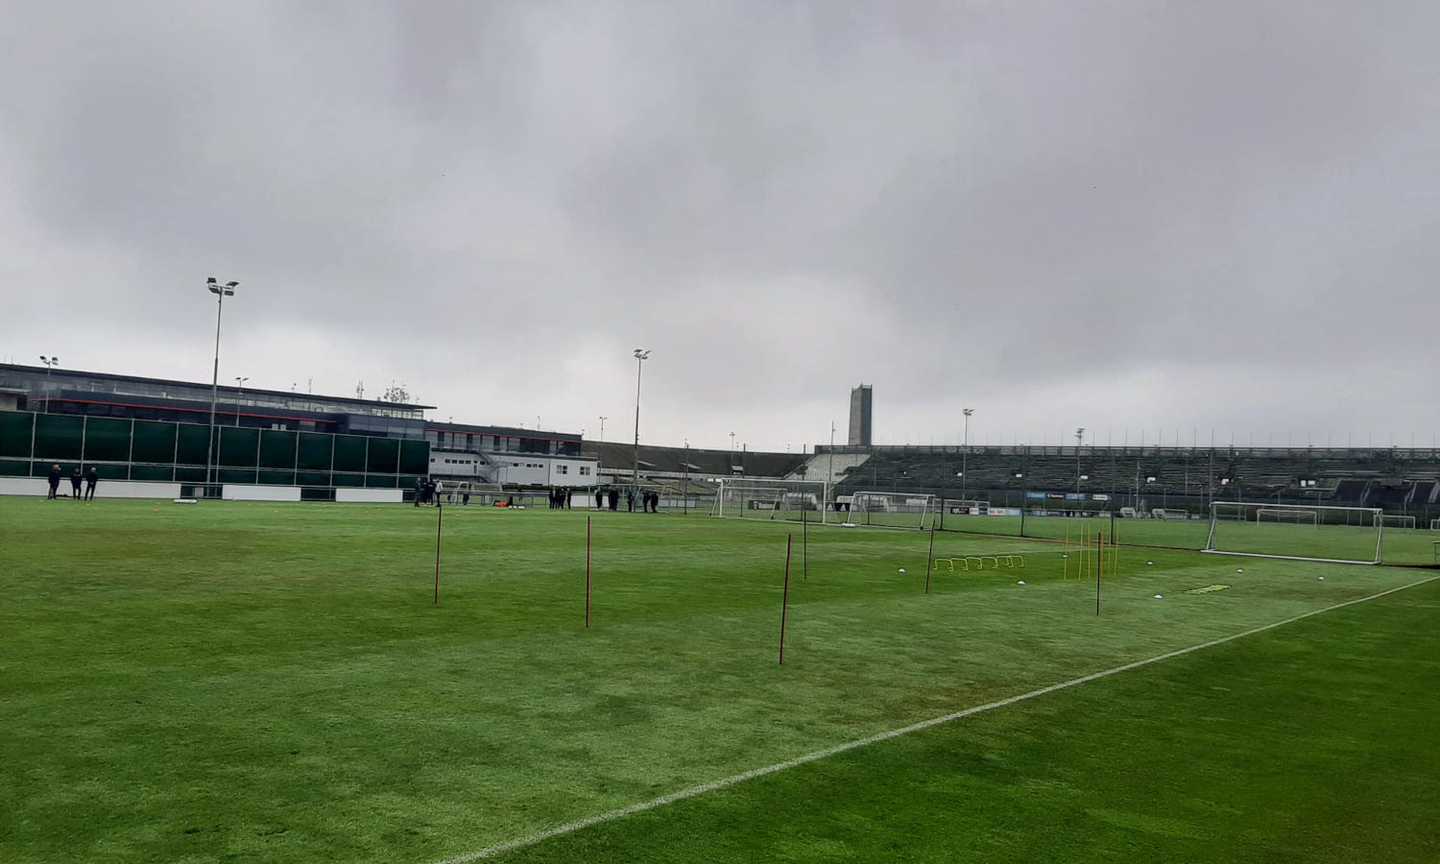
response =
{"points": [[1169, 217]]}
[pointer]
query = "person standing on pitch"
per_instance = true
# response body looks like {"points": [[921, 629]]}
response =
{"points": [[614, 499], [419, 490], [629, 500], [54, 478], [75, 478], [92, 477], [599, 498]]}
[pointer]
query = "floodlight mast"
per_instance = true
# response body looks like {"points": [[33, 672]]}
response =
{"points": [[239, 391], [640, 355], [965, 451], [221, 292], [50, 362]]}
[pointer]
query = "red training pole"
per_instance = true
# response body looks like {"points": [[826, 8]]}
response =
{"points": [[587, 572], [439, 520], [785, 597]]}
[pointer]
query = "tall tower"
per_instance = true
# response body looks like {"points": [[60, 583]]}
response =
{"points": [[860, 405]]}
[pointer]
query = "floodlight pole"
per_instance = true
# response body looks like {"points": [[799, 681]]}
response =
{"points": [[239, 391], [50, 363], [220, 292], [602, 427], [831, 479], [1079, 439], [965, 452], [641, 355]]}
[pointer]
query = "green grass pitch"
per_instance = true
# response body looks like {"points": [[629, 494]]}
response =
{"points": [[251, 682]]}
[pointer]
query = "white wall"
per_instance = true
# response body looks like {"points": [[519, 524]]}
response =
{"points": [[572, 476], [105, 489], [237, 492], [370, 496]]}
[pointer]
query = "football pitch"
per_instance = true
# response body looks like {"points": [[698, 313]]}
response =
{"points": [[253, 682]]}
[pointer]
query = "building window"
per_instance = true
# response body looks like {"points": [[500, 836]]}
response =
{"points": [[562, 469]]}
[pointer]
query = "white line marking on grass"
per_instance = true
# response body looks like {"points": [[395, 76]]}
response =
{"points": [[716, 785]]}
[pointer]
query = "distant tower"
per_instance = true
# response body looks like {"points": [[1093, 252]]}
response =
{"points": [[860, 404]]}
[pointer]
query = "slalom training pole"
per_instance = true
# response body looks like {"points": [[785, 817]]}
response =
{"points": [[587, 572], [1099, 566], [785, 597], [439, 521], [930, 559], [804, 546]]}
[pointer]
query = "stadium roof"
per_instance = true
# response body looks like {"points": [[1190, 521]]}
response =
{"points": [[140, 379]]}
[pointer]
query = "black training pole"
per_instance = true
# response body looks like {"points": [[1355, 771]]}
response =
{"points": [[439, 521], [1099, 565], [930, 558], [785, 597], [587, 572], [804, 545]]}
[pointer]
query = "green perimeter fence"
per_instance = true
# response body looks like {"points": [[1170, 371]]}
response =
{"points": [[157, 451]]}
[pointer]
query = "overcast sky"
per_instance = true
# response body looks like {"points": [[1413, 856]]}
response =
{"points": [[1123, 216]]}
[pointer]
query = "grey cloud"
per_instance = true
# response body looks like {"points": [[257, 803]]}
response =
{"points": [[1110, 215]]}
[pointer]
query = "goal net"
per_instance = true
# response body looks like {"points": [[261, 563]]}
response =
{"points": [[891, 510], [1353, 535], [774, 500], [1398, 521]]}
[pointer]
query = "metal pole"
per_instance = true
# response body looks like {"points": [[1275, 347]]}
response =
{"points": [[214, 393], [639, 365], [785, 597]]}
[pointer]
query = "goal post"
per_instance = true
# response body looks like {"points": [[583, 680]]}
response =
{"points": [[1302, 532], [891, 510], [1395, 520], [772, 500]]}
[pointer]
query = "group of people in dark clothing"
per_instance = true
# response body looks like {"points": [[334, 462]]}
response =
{"points": [[561, 497], [430, 491], [90, 478], [649, 501]]}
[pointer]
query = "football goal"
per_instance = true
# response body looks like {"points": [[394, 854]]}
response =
{"points": [[1349, 535], [891, 510], [1395, 520], [773, 500], [1435, 524]]}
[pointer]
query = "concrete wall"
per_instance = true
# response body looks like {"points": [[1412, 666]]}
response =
{"points": [[370, 496], [237, 492], [105, 489]]}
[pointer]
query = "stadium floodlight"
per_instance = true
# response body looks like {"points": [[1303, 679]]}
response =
{"points": [[50, 362], [603, 418], [220, 292], [965, 450], [641, 355], [239, 390]]}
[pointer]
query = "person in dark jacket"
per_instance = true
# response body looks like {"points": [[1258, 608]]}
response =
{"points": [[629, 500], [614, 500], [92, 477], [419, 490], [599, 498], [75, 478]]}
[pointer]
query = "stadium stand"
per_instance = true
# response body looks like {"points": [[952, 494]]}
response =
{"points": [[1397, 479], [618, 457]]}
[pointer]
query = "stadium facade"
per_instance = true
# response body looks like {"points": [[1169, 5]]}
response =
{"points": [[140, 430]]}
